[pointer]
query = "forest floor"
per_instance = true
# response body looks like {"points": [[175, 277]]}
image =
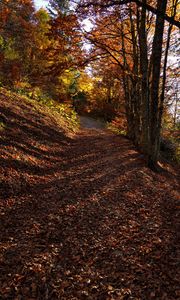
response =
{"points": [[81, 216]]}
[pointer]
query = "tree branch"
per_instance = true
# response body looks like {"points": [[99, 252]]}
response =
{"points": [[148, 7]]}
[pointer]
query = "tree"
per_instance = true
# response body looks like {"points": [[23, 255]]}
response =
{"points": [[57, 7], [40, 44], [133, 36], [37, 48], [64, 52], [16, 28]]}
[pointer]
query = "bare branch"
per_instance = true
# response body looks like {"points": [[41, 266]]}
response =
{"points": [[148, 7]]}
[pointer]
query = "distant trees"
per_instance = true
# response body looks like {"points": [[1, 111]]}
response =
{"points": [[38, 48], [106, 97]]}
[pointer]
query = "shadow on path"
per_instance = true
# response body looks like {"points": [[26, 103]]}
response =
{"points": [[82, 217]]}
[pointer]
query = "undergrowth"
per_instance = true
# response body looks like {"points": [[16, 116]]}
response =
{"points": [[170, 149], [169, 146], [118, 126], [63, 114]]}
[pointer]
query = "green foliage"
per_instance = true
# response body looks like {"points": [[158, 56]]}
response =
{"points": [[9, 50], [64, 111]]}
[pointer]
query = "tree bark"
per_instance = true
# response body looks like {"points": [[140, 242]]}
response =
{"points": [[144, 79], [156, 68], [161, 106]]}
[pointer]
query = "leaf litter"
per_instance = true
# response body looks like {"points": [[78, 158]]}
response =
{"points": [[81, 217]]}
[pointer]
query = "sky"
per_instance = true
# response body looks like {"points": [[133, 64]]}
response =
{"points": [[43, 3], [40, 3]]}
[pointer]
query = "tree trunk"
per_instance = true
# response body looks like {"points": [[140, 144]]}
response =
{"points": [[144, 110], [161, 106], [135, 97], [128, 91], [154, 93]]}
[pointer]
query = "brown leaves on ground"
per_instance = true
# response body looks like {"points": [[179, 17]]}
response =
{"points": [[82, 217]]}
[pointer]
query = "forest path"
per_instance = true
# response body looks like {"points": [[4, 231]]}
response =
{"points": [[82, 217], [90, 123]]}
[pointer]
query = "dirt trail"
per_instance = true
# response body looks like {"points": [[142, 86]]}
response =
{"points": [[82, 217], [90, 123]]}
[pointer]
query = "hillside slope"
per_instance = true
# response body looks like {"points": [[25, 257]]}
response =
{"points": [[81, 217]]}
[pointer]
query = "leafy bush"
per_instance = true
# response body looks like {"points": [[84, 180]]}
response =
{"points": [[64, 111], [118, 126]]}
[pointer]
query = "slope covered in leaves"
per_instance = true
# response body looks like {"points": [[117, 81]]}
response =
{"points": [[81, 217]]}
